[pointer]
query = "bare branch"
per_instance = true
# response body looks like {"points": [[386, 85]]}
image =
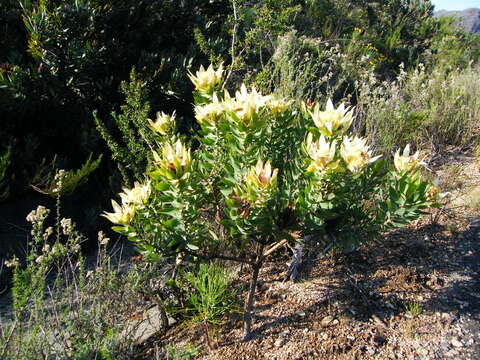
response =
{"points": [[275, 247], [234, 40]]}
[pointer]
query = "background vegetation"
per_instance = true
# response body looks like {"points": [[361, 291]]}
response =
{"points": [[81, 78], [62, 60]]}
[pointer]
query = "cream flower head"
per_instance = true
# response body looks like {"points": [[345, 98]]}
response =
{"points": [[208, 114], [121, 215], [261, 176], [406, 162], [206, 80], [175, 160], [258, 182], [331, 121], [278, 106], [356, 153], [322, 154], [246, 104], [162, 123], [138, 195]]}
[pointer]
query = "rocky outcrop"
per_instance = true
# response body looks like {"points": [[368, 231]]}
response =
{"points": [[469, 18]]}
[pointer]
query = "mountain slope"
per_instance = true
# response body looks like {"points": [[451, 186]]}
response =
{"points": [[469, 18]]}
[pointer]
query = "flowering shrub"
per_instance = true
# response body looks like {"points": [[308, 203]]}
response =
{"points": [[264, 167]]}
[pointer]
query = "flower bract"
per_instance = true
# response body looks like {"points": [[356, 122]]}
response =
{"points": [[331, 121], [322, 154], [406, 162], [356, 153], [206, 80], [121, 215], [162, 123], [174, 162], [246, 104]]}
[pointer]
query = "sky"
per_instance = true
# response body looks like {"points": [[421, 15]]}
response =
{"points": [[455, 4]]}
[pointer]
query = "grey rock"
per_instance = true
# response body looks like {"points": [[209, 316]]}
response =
{"points": [[140, 330]]}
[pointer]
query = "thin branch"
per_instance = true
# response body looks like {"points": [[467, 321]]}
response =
{"points": [[234, 40], [275, 247], [8, 339]]}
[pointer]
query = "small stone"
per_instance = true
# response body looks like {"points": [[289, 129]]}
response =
{"points": [[445, 346], [446, 316], [326, 320], [379, 340], [280, 342], [377, 320], [456, 343], [451, 353], [335, 322]]}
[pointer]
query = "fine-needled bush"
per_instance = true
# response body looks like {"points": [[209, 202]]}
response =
{"points": [[428, 109], [264, 168]]}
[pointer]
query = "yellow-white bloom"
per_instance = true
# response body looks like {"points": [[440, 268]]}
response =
{"points": [[162, 123], [278, 106], [245, 104], [406, 162], [208, 114], [322, 154], [122, 214], [175, 160], [257, 184], [206, 80], [261, 176], [356, 153], [138, 195], [331, 121]]}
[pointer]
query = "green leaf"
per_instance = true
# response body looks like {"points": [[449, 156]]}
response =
{"points": [[120, 229], [175, 213], [170, 224], [193, 247], [161, 186]]}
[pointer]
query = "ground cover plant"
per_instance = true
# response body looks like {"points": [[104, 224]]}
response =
{"points": [[264, 172]]}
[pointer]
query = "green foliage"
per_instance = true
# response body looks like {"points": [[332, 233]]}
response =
{"points": [[414, 308], [4, 181], [452, 47], [211, 297], [51, 181], [78, 54], [131, 152], [305, 68], [176, 352]]}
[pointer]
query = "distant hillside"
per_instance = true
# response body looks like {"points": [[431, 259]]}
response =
{"points": [[470, 18]]}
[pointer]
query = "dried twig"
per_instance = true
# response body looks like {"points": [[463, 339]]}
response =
{"points": [[274, 247]]}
